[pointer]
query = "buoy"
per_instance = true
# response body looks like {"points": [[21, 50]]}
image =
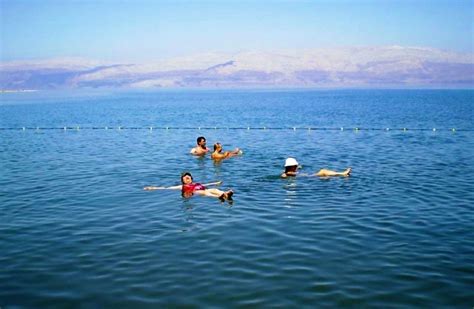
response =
{"points": [[434, 129], [404, 129], [65, 128], [106, 128], [248, 128], [387, 129], [151, 128], [342, 129], [453, 129], [294, 128], [24, 128]]}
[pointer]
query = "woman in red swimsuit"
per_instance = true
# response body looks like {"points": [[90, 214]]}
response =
{"points": [[188, 188]]}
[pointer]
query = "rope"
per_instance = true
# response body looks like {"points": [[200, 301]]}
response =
{"points": [[151, 128]]}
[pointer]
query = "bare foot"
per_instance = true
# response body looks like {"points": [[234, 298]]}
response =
{"points": [[223, 197], [347, 172], [226, 196]]}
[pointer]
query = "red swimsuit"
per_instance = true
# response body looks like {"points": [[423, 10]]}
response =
{"points": [[190, 188]]}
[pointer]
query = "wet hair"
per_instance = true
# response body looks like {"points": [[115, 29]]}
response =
{"points": [[291, 168], [216, 145], [200, 138], [186, 174]]}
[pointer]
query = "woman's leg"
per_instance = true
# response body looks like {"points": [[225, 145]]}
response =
{"points": [[216, 193], [326, 173]]}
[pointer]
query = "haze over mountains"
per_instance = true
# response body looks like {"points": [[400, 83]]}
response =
{"points": [[391, 66]]}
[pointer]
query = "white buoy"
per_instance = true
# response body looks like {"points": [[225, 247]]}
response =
{"points": [[342, 129], [151, 128], [167, 128], [404, 129], [387, 129], [294, 128], [65, 128], [120, 128], [106, 128], [434, 129], [77, 128], [248, 128], [24, 128], [453, 129]]}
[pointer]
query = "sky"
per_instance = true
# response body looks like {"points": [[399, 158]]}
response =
{"points": [[139, 30]]}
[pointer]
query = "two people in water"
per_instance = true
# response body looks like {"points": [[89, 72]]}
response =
{"points": [[188, 188], [291, 169], [218, 154]]}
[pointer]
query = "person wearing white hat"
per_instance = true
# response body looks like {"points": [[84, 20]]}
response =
{"points": [[291, 169]]}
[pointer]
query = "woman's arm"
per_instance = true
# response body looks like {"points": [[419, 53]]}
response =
{"points": [[236, 151], [148, 188], [217, 183]]}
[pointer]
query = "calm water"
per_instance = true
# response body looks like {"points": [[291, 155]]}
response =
{"points": [[77, 230]]}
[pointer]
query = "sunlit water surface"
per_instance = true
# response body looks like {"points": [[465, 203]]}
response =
{"points": [[77, 230]]}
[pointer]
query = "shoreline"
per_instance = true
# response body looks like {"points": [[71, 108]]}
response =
{"points": [[16, 91]]}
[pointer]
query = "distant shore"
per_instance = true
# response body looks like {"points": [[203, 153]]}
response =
{"points": [[14, 91]]}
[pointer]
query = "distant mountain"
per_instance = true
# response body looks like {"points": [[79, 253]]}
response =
{"points": [[391, 66]]}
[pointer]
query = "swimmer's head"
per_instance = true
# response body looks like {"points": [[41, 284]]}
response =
{"points": [[291, 165], [217, 146], [201, 141], [291, 162], [186, 178]]}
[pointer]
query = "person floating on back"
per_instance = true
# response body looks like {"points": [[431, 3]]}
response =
{"points": [[291, 169], [218, 153], [188, 188], [200, 148]]}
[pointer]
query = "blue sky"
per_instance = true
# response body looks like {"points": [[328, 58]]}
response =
{"points": [[148, 30]]}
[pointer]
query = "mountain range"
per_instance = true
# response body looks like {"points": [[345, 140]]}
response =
{"points": [[386, 66]]}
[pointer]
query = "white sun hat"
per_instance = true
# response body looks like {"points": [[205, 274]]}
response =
{"points": [[291, 162]]}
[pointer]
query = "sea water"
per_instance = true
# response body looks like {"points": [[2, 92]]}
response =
{"points": [[78, 230]]}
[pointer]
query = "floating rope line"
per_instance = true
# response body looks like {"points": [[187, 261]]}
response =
{"points": [[151, 128]]}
